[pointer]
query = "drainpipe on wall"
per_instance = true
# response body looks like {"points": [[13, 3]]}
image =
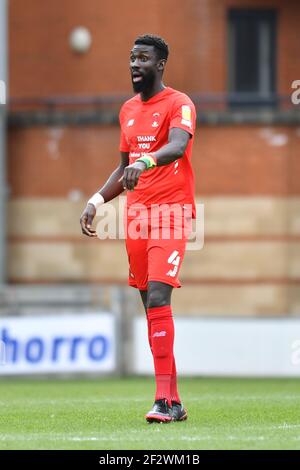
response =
{"points": [[3, 127]]}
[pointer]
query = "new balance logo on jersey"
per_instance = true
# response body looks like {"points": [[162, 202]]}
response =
{"points": [[157, 334], [173, 259]]}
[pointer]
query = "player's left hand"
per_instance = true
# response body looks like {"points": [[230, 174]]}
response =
{"points": [[131, 175]]}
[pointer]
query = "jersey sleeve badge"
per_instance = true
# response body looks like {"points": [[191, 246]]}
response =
{"points": [[186, 116]]}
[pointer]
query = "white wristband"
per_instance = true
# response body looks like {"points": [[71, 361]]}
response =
{"points": [[97, 199]]}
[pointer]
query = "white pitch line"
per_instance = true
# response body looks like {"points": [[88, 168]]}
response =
{"points": [[206, 438]]}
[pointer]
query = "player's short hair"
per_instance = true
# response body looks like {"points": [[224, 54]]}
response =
{"points": [[159, 44]]}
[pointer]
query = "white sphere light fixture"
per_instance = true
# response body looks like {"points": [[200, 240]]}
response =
{"points": [[80, 39]]}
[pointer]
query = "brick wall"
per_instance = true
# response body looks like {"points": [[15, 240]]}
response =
{"points": [[247, 176], [41, 62], [243, 160]]}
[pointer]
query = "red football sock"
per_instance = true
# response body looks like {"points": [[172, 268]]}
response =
{"points": [[174, 391], [162, 340], [149, 332]]}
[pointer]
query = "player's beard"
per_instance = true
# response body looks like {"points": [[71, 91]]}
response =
{"points": [[146, 83]]}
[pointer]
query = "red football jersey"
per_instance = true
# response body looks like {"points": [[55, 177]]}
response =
{"points": [[145, 127]]}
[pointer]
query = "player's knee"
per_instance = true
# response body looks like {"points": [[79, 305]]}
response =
{"points": [[157, 298]]}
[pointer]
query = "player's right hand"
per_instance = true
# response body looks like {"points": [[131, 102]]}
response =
{"points": [[86, 220]]}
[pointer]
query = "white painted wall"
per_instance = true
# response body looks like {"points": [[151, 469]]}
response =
{"points": [[227, 347]]}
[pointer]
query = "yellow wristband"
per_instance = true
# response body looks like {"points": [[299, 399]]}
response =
{"points": [[149, 160]]}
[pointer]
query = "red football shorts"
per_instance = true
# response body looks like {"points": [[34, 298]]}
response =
{"points": [[155, 244]]}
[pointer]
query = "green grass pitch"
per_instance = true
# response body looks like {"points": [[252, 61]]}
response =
{"points": [[109, 414]]}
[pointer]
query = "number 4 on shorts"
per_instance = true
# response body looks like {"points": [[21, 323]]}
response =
{"points": [[174, 260]]}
